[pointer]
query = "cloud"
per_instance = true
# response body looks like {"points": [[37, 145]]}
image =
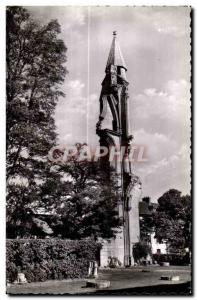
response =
{"points": [[76, 114], [161, 122], [69, 16], [171, 172], [166, 111], [70, 113], [75, 16], [158, 146], [165, 20]]}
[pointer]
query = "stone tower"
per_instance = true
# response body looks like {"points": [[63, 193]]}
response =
{"points": [[114, 98]]}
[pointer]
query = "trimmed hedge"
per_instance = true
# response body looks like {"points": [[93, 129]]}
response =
{"points": [[46, 259], [173, 259]]}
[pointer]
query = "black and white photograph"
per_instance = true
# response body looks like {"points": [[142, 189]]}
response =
{"points": [[98, 150]]}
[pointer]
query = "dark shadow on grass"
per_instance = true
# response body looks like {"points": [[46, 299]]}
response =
{"points": [[181, 289]]}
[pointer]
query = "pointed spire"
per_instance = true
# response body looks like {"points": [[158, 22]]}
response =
{"points": [[115, 56]]}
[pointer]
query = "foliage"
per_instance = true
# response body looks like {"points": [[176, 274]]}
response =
{"points": [[35, 70], [146, 227], [84, 205], [173, 259], [140, 250], [146, 223], [47, 259], [173, 220], [90, 207]]}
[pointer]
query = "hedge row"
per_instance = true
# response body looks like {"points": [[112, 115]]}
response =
{"points": [[46, 259], [173, 259]]}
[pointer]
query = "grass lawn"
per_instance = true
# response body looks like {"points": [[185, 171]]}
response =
{"points": [[140, 280]]}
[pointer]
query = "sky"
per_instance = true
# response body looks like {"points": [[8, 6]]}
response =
{"points": [[155, 43]]}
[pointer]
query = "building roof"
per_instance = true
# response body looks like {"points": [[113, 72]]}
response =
{"points": [[115, 55], [146, 208]]}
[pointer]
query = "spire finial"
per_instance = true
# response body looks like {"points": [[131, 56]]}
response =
{"points": [[115, 56]]}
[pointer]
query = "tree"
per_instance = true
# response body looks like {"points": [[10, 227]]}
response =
{"points": [[146, 222], [173, 220], [89, 207], [140, 250], [35, 70]]}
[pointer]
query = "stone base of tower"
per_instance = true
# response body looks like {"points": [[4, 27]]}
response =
{"points": [[112, 248], [115, 249]]}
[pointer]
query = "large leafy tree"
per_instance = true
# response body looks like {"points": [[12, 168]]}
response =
{"points": [[35, 71], [88, 208], [173, 220]]}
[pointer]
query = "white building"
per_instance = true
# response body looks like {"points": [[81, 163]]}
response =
{"points": [[157, 248]]}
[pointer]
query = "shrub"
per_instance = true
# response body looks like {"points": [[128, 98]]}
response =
{"points": [[114, 262], [173, 259], [46, 259], [141, 250]]}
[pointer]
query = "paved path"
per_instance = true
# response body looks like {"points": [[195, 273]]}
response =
{"points": [[121, 280]]}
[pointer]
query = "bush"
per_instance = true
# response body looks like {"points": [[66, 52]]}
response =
{"points": [[114, 262], [173, 259], [46, 259], [140, 250]]}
